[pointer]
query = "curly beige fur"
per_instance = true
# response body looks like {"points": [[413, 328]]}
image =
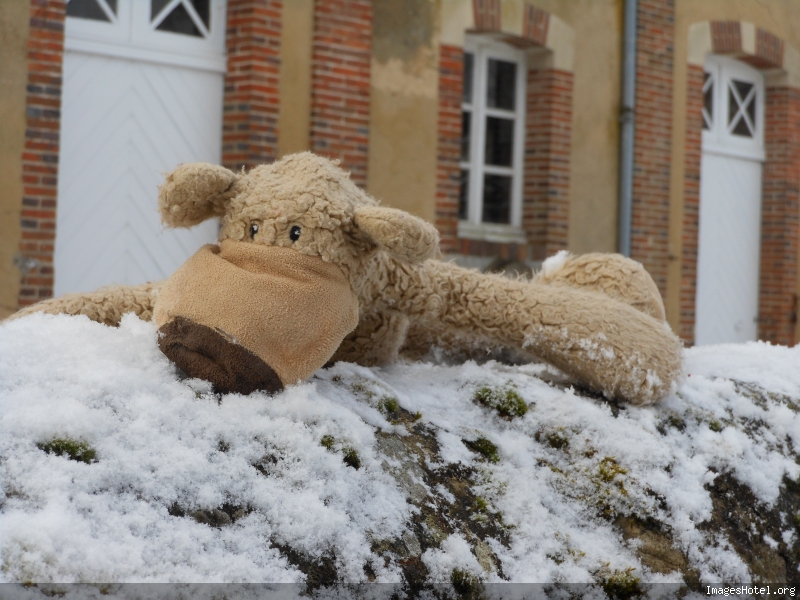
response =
{"points": [[599, 318]]}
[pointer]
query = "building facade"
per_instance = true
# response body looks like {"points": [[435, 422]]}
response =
{"points": [[497, 120]]}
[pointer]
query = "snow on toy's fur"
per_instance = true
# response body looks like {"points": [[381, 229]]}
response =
{"points": [[597, 317]]}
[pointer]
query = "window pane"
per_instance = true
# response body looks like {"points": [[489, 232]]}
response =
{"points": [[496, 199], [89, 9], [708, 101], [499, 141], [740, 126], [179, 20], [463, 195], [469, 67], [500, 84], [466, 121]]}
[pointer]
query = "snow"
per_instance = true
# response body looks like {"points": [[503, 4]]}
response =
{"points": [[161, 442]]}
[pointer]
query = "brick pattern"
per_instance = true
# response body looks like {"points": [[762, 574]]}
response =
{"points": [[780, 217], [653, 134], [691, 202], [535, 24], [726, 37], [40, 156], [250, 106], [769, 49], [487, 15], [548, 132], [451, 74], [340, 83]]}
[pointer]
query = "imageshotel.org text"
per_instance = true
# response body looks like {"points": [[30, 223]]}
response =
{"points": [[749, 590]]}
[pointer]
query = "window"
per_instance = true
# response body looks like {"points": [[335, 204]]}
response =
{"points": [[733, 108], [493, 109]]}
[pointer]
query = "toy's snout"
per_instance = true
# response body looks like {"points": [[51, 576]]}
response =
{"points": [[248, 317], [214, 355]]}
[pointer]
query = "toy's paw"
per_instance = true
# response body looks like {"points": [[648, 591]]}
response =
{"points": [[213, 355]]}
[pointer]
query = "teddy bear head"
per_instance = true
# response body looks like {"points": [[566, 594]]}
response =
{"points": [[272, 302], [304, 202]]}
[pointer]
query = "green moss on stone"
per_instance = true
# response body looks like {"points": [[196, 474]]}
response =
{"points": [[387, 404], [621, 585], [506, 401], [72, 449], [351, 458], [485, 448], [464, 582]]}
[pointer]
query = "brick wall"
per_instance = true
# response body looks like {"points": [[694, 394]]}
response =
{"points": [[548, 132], [250, 113], [448, 184], [780, 217], [691, 201], [40, 156], [340, 83], [653, 133]]}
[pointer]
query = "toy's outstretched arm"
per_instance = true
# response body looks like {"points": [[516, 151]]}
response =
{"points": [[607, 344], [106, 305]]}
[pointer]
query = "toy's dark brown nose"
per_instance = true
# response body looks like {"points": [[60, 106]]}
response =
{"points": [[215, 356]]}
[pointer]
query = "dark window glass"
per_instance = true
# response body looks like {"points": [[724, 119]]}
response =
{"points": [[740, 126], [743, 88], [751, 110], [466, 129], [499, 141], [500, 84], [708, 101], [463, 195], [90, 9], [496, 199], [179, 21], [469, 67], [156, 6], [202, 8]]}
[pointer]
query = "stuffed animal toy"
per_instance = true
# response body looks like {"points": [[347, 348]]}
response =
{"points": [[310, 269]]}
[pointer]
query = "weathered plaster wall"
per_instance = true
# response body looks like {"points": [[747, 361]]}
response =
{"points": [[14, 15], [294, 120], [403, 109], [597, 26], [780, 17]]}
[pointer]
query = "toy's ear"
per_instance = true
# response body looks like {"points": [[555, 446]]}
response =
{"points": [[194, 192], [402, 235]]}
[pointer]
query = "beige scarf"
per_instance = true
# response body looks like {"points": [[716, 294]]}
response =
{"points": [[245, 316]]}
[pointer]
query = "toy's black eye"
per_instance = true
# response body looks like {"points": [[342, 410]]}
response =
{"points": [[294, 234], [253, 230]]}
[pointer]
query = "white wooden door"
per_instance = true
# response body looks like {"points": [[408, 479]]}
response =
{"points": [[142, 93], [730, 203]]}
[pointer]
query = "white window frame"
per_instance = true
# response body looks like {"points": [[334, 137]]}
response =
{"points": [[719, 139], [132, 35], [482, 49]]}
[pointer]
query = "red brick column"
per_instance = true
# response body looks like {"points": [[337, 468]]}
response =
{"points": [[448, 172], [40, 156], [653, 133], [548, 132], [780, 217], [340, 82], [250, 107], [691, 201]]}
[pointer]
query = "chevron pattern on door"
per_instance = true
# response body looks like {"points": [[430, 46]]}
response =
{"points": [[125, 123]]}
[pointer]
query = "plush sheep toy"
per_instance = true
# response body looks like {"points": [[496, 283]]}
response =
{"points": [[310, 269]]}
